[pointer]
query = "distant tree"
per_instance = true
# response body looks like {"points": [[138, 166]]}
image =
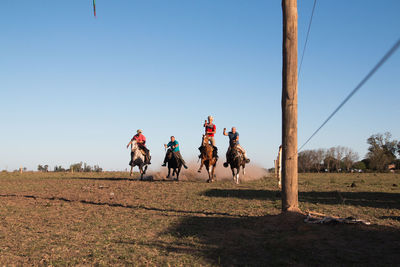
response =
{"points": [[96, 168], [367, 163], [319, 159], [59, 169], [77, 167], [305, 161], [330, 160], [382, 151], [398, 148], [87, 168], [44, 168], [360, 165], [339, 152], [349, 158], [310, 160]]}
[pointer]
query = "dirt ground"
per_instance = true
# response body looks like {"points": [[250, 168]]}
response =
{"points": [[110, 219]]}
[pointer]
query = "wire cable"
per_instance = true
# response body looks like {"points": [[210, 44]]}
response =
{"points": [[363, 81], [308, 33]]}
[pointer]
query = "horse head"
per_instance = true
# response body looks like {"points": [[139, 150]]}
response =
{"points": [[234, 153], [205, 140], [134, 146], [169, 154]]}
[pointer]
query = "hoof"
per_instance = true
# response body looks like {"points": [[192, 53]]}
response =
{"points": [[198, 171], [226, 164], [247, 160]]}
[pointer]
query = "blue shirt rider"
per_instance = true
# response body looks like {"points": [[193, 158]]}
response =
{"points": [[234, 142], [174, 146]]}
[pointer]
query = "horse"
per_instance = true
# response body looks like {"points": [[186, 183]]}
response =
{"points": [[173, 163], [137, 159], [207, 159], [235, 159]]}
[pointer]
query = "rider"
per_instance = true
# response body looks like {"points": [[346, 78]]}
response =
{"points": [[234, 140], [210, 130], [141, 141], [174, 146]]}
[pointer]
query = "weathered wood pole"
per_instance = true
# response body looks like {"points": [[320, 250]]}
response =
{"points": [[289, 107]]}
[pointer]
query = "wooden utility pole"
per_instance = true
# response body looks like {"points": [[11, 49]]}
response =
{"points": [[289, 108]]}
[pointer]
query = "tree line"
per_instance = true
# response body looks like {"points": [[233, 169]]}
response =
{"points": [[382, 156], [76, 167]]}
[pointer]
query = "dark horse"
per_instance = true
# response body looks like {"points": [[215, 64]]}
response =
{"points": [[173, 163], [208, 159], [236, 160]]}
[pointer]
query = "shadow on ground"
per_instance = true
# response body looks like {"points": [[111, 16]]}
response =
{"points": [[279, 240], [147, 178], [365, 199]]}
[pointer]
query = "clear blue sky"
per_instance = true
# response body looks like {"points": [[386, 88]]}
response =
{"points": [[75, 88]]}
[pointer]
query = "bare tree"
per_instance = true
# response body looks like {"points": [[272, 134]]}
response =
{"points": [[319, 158], [350, 158], [329, 161], [339, 153]]}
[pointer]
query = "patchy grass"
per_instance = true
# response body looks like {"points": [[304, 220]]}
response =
{"points": [[108, 219]]}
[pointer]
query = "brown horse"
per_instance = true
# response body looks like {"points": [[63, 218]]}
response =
{"points": [[207, 159]]}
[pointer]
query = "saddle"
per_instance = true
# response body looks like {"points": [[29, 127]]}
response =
{"points": [[143, 152], [234, 149]]}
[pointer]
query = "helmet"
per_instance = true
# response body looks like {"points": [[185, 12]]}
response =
{"points": [[210, 117]]}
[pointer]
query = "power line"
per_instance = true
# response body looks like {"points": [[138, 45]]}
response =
{"points": [[363, 81], [308, 33]]}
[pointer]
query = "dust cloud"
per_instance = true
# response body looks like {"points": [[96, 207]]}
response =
{"points": [[253, 172]]}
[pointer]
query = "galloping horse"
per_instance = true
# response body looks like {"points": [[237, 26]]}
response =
{"points": [[137, 159], [236, 160], [207, 159], [173, 163]]}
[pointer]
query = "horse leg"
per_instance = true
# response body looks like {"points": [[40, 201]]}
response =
{"points": [[237, 175], [208, 172], [233, 173], [177, 173], [211, 173], [169, 171], [145, 169], [141, 173], [201, 165]]}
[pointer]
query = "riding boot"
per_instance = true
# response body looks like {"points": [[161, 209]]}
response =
{"points": [[201, 151], [165, 161], [246, 159], [215, 152], [182, 160], [148, 158]]}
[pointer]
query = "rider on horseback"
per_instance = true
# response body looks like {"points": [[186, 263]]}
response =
{"points": [[173, 145], [141, 141], [234, 142], [210, 130]]}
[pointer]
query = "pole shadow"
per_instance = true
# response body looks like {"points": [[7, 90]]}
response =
{"points": [[276, 240], [364, 199]]}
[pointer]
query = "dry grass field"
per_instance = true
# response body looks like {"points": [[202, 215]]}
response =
{"points": [[108, 219]]}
